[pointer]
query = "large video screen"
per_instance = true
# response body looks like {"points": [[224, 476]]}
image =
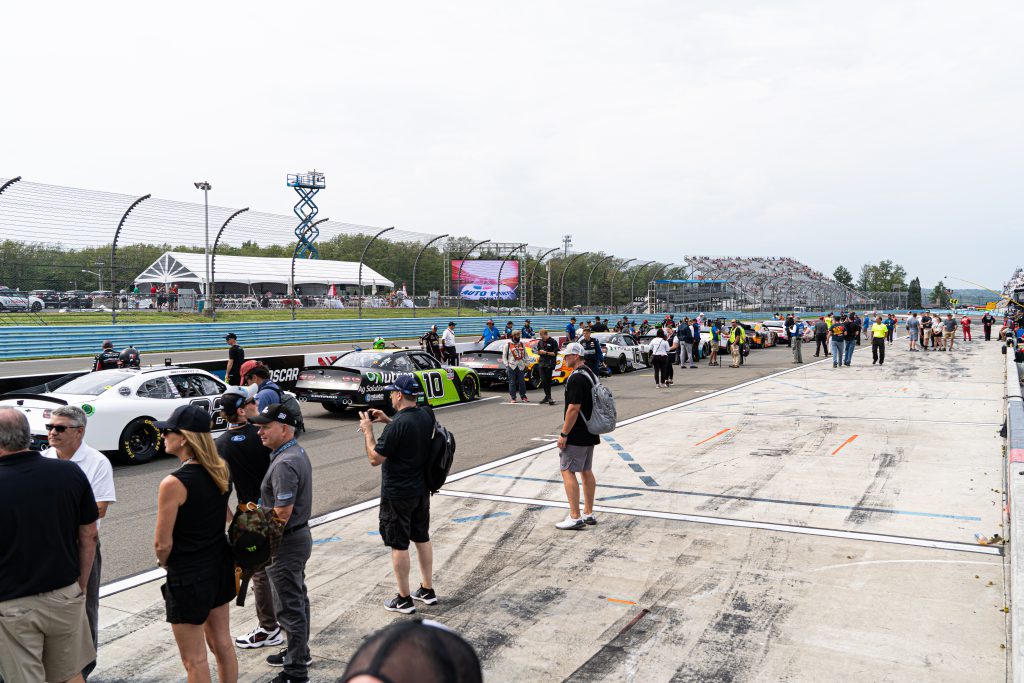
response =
{"points": [[478, 279]]}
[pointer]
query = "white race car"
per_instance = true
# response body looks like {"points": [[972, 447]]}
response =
{"points": [[622, 352], [11, 300], [122, 405]]}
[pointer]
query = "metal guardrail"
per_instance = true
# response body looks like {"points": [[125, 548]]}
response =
{"points": [[1015, 509]]}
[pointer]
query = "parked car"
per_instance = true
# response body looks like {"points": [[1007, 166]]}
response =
{"points": [[50, 297], [75, 298], [489, 368], [13, 300], [623, 352]]}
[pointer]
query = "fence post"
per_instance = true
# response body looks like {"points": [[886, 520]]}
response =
{"points": [[561, 282], [415, 264], [213, 263], [533, 274], [611, 284], [591, 276], [361, 257], [502, 267], [458, 275], [113, 257]]}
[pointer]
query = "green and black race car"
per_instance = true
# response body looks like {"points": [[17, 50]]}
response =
{"points": [[357, 380]]}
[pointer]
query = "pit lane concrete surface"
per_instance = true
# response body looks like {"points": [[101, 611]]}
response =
{"points": [[816, 524]]}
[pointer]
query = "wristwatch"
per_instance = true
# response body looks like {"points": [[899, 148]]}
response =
{"points": [[563, 435]]}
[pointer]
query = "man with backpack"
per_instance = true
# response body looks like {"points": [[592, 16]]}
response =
{"points": [[268, 392], [248, 460], [576, 442], [403, 453]]}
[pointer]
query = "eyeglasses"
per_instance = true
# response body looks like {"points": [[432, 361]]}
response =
{"points": [[60, 429], [165, 432]]}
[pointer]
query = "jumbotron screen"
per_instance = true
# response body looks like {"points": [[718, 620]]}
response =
{"points": [[478, 279]]}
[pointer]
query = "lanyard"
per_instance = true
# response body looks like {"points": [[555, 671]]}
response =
{"points": [[289, 444]]}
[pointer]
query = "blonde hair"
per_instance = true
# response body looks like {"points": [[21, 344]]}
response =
{"points": [[205, 453]]}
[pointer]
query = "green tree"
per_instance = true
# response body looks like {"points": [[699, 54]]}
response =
{"points": [[843, 276], [885, 276], [940, 297], [914, 293]]}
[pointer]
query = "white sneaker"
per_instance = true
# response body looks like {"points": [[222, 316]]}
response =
{"points": [[258, 637], [569, 524]]}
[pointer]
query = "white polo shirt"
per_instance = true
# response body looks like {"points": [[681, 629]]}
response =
{"points": [[448, 337], [97, 469]]}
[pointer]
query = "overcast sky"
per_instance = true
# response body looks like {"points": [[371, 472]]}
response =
{"points": [[831, 132]]}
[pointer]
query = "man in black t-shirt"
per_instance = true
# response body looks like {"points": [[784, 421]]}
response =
{"points": [[852, 336], [248, 460], [106, 359], [236, 356], [547, 349], [403, 452], [575, 442], [47, 546]]}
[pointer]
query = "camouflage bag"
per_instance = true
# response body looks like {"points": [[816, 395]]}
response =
{"points": [[254, 535]]}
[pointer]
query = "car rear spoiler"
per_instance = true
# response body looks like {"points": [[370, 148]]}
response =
{"points": [[34, 397]]}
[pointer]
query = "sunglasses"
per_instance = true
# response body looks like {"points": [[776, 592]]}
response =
{"points": [[60, 429], [165, 432]]}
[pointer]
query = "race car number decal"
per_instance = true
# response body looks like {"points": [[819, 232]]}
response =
{"points": [[434, 384], [214, 408]]}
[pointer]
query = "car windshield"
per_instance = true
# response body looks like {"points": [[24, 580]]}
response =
{"points": [[362, 359], [95, 383], [496, 345]]}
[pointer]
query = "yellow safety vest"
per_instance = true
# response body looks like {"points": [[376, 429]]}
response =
{"points": [[741, 337]]}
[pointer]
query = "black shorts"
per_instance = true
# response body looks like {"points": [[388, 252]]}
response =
{"points": [[403, 520], [190, 596]]}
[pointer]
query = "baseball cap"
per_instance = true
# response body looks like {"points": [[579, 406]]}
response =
{"points": [[407, 384], [190, 418], [451, 323], [231, 335], [275, 412], [573, 349], [107, 344], [234, 398]]}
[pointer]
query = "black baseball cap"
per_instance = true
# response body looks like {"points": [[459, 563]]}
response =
{"points": [[190, 418], [275, 412], [231, 335], [407, 384], [451, 323]]}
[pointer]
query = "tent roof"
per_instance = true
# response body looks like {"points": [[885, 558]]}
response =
{"points": [[181, 267]]}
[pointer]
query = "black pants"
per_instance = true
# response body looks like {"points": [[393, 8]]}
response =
{"points": [[878, 350], [988, 332], [450, 357], [667, 373], [820, 343], [545, 381], [660, 365]]}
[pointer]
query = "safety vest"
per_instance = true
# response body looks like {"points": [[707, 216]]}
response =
{"points": [[737, 334]]}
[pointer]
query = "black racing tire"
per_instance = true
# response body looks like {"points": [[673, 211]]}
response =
{"points": [[621, 366], [334, 408], [140, 442], [36, 307], [470, 390], [705, 349], [534, 377]]}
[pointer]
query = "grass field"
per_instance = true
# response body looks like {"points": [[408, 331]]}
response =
{"points": [[224, 316]]}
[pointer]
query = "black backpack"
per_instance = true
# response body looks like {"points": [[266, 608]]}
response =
{"points": [[440, 457], [291, 405]]}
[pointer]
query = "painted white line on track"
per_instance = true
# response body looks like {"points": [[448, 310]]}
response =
{"points": [[843, 417], [747, 524], [469, 403], [130, 582]]}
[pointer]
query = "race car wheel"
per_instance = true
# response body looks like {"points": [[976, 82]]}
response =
{"points": [[36, 307], [705, 349], [534, 379], [621, 367], [333, 408], [140, 442], [469, 388]]}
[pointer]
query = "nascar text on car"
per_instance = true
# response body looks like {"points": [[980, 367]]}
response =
{"points": [[357, 379], [488, 365], [121, 406], [623, 352]]}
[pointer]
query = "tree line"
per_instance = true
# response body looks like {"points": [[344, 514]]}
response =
{"points": [[886, 276]]}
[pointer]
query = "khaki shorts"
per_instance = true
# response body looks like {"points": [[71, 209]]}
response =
{"points": [[947, 335], [45, 637]]}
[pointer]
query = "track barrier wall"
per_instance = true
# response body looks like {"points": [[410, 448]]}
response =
{"points": [[1015, 506]]}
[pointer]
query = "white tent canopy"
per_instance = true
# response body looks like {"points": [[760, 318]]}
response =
{"points": [[186, 268]]}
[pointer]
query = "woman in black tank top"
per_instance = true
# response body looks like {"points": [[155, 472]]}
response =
{"points": [[192, 512]]}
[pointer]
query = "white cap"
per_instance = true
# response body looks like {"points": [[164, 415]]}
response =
{"points": [[573, 349]]}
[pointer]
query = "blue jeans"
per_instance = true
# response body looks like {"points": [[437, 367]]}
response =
{"points": [[517, 380], [849, 350], [838, 346]]}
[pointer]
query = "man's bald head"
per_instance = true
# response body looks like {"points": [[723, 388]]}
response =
{"points": [[15, 435]]}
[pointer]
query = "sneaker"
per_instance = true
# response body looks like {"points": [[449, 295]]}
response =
{"points": [[512, 400], [570, 524], [590, 520], [259, 637], [278, 659], [285, 678], [525, 400], [424, 595], [400, 604]]}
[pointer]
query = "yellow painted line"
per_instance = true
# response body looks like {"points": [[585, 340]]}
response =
{"points": [[712, 437], [842, 445], [621, 602]]}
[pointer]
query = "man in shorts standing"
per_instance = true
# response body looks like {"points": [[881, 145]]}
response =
{"points": [[575, 442], [402, 452]]}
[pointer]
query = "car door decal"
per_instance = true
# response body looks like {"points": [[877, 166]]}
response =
{"points": [[434, 384]]}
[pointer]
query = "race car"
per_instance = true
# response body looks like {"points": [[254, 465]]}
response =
{"points": [[356, 379], [623, 352], [488, 365], [122, 405], [781, 335], [11, 300]]}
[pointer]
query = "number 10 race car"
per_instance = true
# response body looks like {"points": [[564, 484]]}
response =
{"points": [[357, 379], [121, 406]]}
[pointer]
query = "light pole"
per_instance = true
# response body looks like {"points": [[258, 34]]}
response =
{"points": [[206, 187], [591, 277], [611, 284], [98, 275]]}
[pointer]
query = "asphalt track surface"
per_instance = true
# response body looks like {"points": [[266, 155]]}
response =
{"points": [[486, 429]]}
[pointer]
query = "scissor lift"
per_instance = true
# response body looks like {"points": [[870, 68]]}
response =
{"points": [[306, 185]]}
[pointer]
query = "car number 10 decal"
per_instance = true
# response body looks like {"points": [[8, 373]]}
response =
{"points": [[434, 384]]}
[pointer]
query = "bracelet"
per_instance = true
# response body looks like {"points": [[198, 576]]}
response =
{"points": [[563, 435]]}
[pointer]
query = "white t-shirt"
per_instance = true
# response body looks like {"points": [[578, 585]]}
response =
{"points": [[97, 469], [448, 338], [659, 347]]}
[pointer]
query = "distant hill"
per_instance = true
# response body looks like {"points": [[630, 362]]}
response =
{"points": [[973, 297]]}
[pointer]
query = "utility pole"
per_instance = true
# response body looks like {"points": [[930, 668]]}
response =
{"points": [[566, 243]]}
